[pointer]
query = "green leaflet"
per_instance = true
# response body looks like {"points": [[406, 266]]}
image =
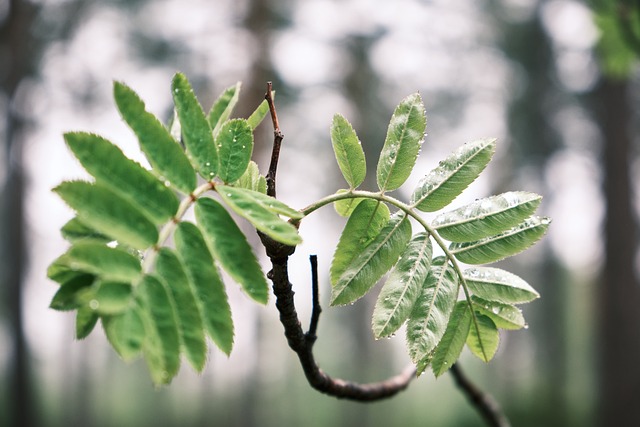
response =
{"points": [[443, 184], [108, 213], [211, 296], [111, 167], [223, 107], [484, 344], [504, 316], [103, 261], [235, 145], [75, 230], [486, 217], [345, 207], [86, 320], [503, 245], [364, 224], [262, 212], [453, 340], [125, 332], [164, 154], [259, 113], [430, 314], [402, 144], [70, 295], [60, 272], [231, 249], [494, 284], [111, 297], [372, 262], [162, 341], [402, 288], [348, 151], [190, 326], [252, 180], [196, 133]]}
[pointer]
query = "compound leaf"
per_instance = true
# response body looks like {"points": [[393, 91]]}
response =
{"points": [[103, 261], [197, 135], [486, 217], [348, 151], [235, 145], [443, 184], [163, 152], [125, 332], [402, 288], [109, 166], [494, 284], [223, 107], [503, 245], [231, 249], [452, 342], [430, 314], [262, 212], [190, 325], [211, 296], [108, 213], [372, 262], [402, 144], [504, 316], [364, 224], [483, 341]]}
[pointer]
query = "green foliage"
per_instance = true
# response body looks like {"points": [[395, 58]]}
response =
{"points": [[161, 302]]}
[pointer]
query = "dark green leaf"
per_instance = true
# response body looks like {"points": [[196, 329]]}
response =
{"points": [[163, 152], [86, 320], [372, 262], [364, 224], [503, 245], [483, 341], [103, 261], [196, 133], [494, 284], [504, 316], [111, 167], [190, 325], [125, 332], [452, 342], [235, 145], [69, 295], [402, 288], [430, 316], [207, 283], [108, 213], [402, 144], [231, 249], [443, 184], [348, 151], [223, 107], [75, 230]]}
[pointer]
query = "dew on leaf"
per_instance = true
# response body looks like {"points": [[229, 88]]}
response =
{"points": [[94, 304]]}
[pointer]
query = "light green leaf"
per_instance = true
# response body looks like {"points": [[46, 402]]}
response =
{"points": [[60, 272], [452, 342], [211, 296], [348, 151], [86, 320], [483, 341], [125, 332], [103, 261], [262, 212], [364, 224], [190, 325], [345, 207], [259, 113], [252, 180], [223, 107], [111, 297], [197, 135], [372, 262], [75, 230], [402, 144], [443, 184], [430, 315], [70, 294], [128, 179], [487, 217], [503, 245], [162, 341], [231, 249], [494, 284], [504, 316], [402, 288], [163, 152], [235, 145], [108, 213]]}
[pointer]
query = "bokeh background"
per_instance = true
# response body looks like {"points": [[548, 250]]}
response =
{"points": [[555, 81]]}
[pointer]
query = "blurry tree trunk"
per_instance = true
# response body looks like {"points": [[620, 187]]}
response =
{"points": [[619, 293]]}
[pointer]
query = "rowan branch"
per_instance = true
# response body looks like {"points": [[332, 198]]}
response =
{"points": [[277, 141]]}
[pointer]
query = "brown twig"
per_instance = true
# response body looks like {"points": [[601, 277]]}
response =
{"points": [[311, 334], [277, 141]]}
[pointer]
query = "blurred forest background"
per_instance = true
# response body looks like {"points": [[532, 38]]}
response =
{"points": [[556, 81]]}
